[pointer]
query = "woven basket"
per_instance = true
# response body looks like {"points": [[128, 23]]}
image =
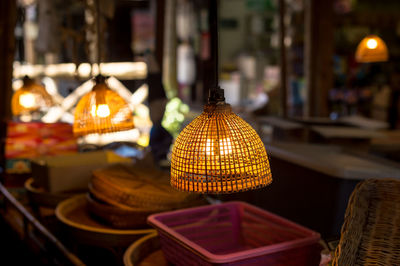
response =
{"points": [[122, 218], [80, 227], [39, 98], [371, 230], [218, 152], [138, 187], [102, 110]]}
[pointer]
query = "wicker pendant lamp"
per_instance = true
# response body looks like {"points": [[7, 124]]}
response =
{"points": [[372, 49], [218, 152], [102, 111], [31, 97]]}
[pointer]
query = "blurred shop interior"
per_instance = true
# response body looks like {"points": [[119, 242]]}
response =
{"points": [[94, 94]]}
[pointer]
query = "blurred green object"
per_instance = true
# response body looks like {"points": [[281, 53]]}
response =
{"points": [[174, 116], [261, 5]]}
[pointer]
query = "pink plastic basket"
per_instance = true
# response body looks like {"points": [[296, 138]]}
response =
{"points": [[234, 233]]}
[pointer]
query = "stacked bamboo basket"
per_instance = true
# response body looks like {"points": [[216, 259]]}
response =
{"points": [[124, 195]]}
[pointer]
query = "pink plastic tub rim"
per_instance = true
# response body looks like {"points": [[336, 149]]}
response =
{"points": [[235, 256]]}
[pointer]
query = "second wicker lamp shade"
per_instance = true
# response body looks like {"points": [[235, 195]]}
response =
{"points": [[31, 97], [218, 152], [372, 49], [102, 111]]}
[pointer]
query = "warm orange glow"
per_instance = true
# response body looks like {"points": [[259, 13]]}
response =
{"points": [[372, 49], [218, 152], [27, 100], [224, 147], [31, 97], [102, 111], [372, 44]]}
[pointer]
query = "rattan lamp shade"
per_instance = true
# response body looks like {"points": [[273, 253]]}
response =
{"points": [[29, 98], [218, 152], [102, 111], [372, 49]]}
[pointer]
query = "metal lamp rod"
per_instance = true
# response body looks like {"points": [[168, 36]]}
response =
{"points": [[216, 94], [98, 17]]}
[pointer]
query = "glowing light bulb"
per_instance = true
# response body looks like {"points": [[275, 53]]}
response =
{"points": [[209, 147], [225, 147], [101, 110], [372, 44], [27, 100]]}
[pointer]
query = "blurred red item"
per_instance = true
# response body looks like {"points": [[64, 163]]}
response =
{"points": [[15, 129], [43, 130], [54, 146], [22, 147], [30, 140]]}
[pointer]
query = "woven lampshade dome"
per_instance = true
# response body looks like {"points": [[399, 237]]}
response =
{"points": [[372, 49], [31, 97], [102, 111], [218, 152]]}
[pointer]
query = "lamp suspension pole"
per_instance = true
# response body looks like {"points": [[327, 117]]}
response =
{"points": [[216, 94], [99, 78], [98, 35]]}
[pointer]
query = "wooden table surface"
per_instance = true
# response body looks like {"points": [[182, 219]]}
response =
{"points": [[331, 160]]}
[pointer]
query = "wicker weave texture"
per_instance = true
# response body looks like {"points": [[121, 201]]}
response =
{"points": [[138, 187], [29, 98], [102, 111], [371, 230], [218, 152], [118, 217]]}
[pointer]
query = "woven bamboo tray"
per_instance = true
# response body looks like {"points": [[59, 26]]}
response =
{"points": [[81, 227], [371, 229], [121, 218], [138, 187], [145, 252]]}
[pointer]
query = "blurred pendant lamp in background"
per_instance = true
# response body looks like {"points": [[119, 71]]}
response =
{"points": [[31, 97], [218, 152], [372, 49], [102, 110]]}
